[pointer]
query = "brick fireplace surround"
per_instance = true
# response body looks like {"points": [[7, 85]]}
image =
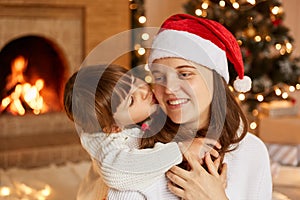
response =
{"points": [[77, 27]]}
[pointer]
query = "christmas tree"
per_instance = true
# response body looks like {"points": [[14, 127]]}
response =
{"points": [[265, 42]]}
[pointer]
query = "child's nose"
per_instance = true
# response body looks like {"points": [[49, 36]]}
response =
{"points": [[145, 90]]}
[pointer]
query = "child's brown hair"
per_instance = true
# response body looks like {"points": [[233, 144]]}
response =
{"points": [[92, 95]]}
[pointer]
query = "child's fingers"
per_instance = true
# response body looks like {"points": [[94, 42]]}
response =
{"points": [[223, 175], [217, 162], [193, 161], [211, 166], [214, 153], [206, 148], [212, 143]]}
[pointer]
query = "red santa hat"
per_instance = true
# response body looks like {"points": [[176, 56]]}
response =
{"points": [[202, 41]]}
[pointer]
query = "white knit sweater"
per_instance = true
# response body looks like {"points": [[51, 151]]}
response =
{"points": [[124, 167], [248, 174]]}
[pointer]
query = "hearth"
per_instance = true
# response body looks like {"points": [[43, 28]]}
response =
{"points": [[72, 29], [33, 73], [41, 47]]}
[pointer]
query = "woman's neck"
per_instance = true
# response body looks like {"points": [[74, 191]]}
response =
{"points": [[201, 123]]}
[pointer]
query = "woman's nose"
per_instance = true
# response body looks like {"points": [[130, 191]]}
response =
{"points": [[171, 85]]}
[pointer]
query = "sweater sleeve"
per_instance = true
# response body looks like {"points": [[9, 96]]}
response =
{"points": [[124, 167]]}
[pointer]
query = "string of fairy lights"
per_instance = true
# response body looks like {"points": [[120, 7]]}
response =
{"points": [[281, 91], [277, 11], [243, 5], [138, 21]]}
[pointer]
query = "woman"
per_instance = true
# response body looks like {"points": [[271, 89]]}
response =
{"points": [[189, 64]]}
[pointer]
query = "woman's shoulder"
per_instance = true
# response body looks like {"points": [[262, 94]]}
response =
{"points": [[253, 144], [249, 166], [250, 147], [252, 141]]}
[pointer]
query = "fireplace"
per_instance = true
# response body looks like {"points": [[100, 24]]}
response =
{"points": [[42, 46], [68, 31], [32, 76]]}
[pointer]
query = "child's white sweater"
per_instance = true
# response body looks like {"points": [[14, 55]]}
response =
{"points": [[130, 172]]}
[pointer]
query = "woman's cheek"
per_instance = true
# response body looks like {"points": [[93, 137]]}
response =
{"points": [[158, 92]]}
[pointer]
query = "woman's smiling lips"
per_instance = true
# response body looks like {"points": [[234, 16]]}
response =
{"points": [[176, 103]]}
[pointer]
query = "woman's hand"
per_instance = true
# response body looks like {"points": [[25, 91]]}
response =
{"points": [[198, 183]]}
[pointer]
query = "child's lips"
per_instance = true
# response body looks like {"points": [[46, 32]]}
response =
{"points": [[154, 100]]}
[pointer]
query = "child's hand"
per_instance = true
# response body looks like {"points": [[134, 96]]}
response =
{"points": [[199, 146]]}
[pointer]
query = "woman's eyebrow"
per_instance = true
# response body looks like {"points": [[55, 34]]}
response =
{"points": [[185, 66]]}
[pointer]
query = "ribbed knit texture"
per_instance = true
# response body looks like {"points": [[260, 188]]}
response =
{"points": [[124, 195], [125, 167], [249, 174], [157, 191]]}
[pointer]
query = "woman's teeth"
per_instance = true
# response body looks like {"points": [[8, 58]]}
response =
{"points": [[177, 102]]}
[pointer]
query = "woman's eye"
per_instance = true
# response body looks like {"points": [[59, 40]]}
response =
{"points": [[185, 74]]}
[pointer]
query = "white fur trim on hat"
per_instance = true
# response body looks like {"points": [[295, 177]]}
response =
{"points": [[242, 85], [171, 43]]}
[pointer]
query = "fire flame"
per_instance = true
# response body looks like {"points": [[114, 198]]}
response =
{"points": [[23, 93]]}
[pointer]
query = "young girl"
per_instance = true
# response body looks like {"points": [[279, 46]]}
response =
{"points": [[106, 104]]}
